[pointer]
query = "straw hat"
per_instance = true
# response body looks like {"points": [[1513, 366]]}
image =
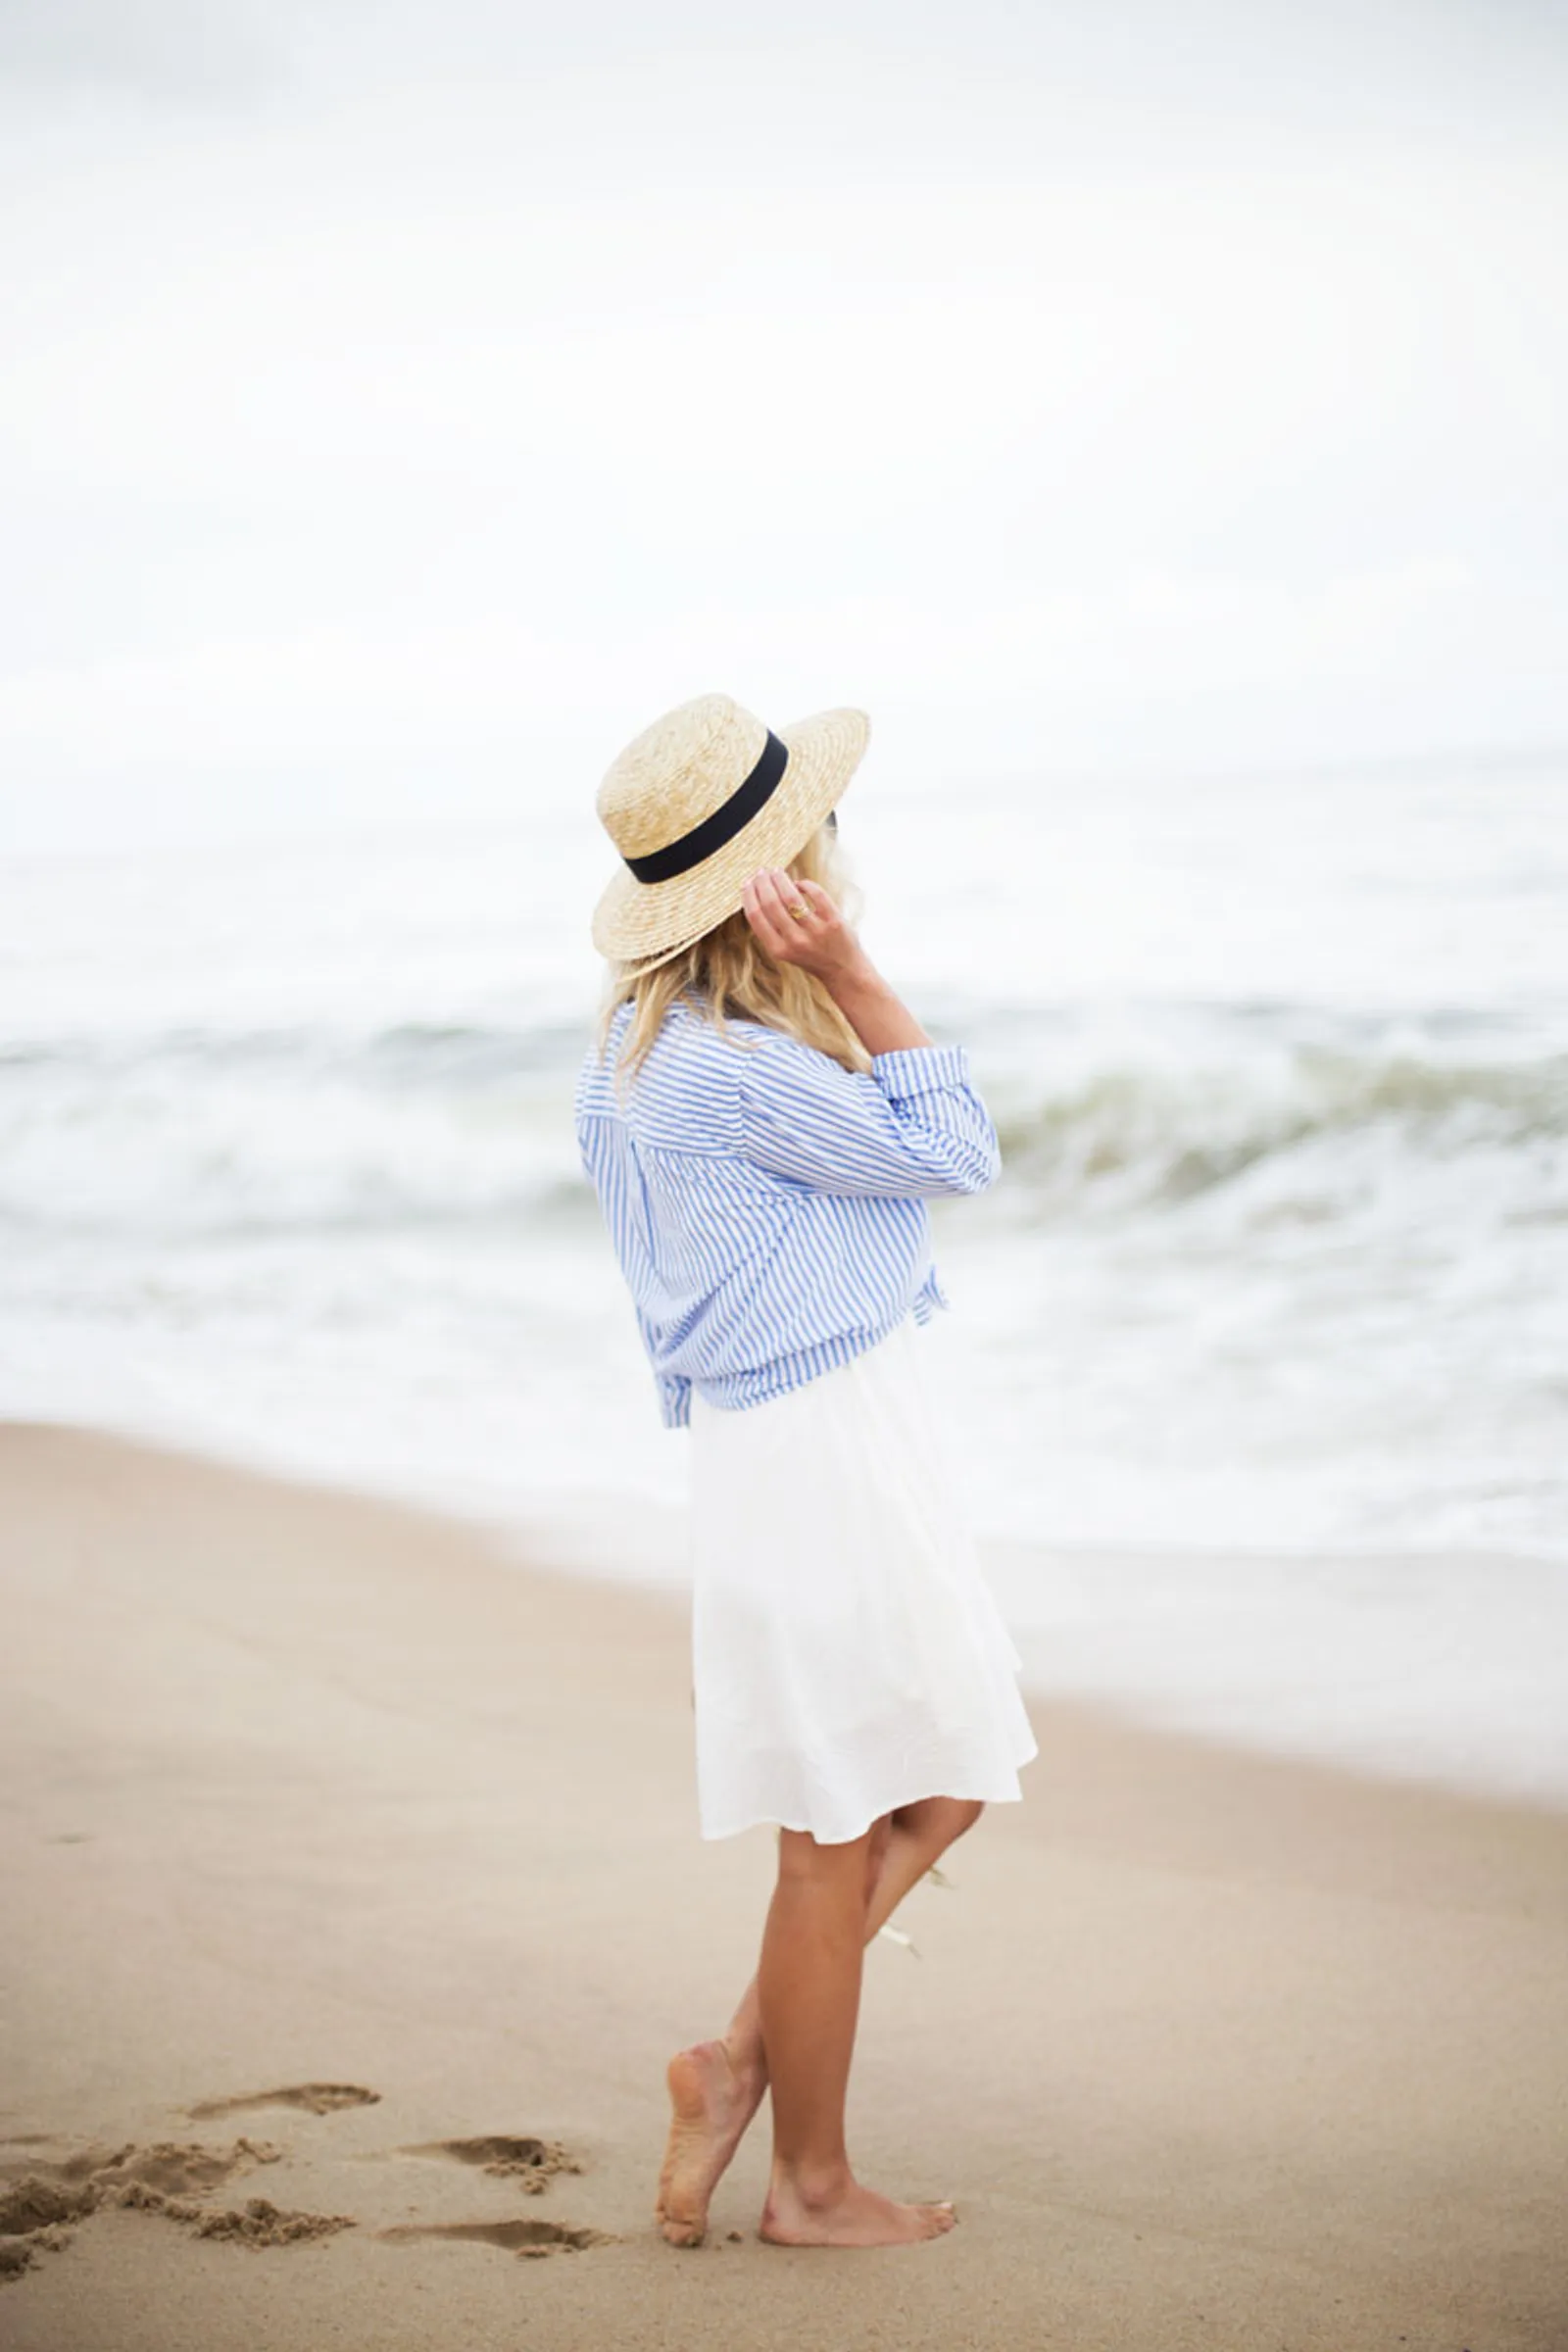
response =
{"points": [[697, 803]]}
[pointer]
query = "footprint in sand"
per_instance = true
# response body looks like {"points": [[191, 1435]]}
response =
{"points": [[314, 2098], [510, 2156], [43, 2202], [528, 2238], [531, 2163]]}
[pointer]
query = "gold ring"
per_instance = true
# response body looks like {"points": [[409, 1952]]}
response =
{"points": [[799, 914]]}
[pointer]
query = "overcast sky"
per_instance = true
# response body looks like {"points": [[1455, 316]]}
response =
{"points": [[402, 403]]}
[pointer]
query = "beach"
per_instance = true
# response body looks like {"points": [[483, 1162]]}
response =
{"points": [[457, 452], [356, 1902]]}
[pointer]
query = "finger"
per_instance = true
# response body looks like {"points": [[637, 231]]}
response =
{"points": [[791, 931], [818, 901], [789, 894], [761, 915], [772, 896]]}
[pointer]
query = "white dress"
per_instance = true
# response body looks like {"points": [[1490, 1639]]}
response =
{"points": [[847, 1655]]}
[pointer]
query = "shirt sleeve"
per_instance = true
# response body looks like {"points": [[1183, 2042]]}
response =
{"points": [[912, 1125]]}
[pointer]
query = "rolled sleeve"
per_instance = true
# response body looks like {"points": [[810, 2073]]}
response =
{"points": [[909, 1070], [912, 1126]]}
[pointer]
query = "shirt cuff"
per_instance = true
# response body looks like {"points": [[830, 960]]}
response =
{"points": [[674, 1399], [920, 1069]]}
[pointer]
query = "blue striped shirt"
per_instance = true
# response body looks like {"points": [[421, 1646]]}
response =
{"points": [[766, 1205]]}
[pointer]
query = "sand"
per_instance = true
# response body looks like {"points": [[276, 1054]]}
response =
{"points": [[354, 1901]]}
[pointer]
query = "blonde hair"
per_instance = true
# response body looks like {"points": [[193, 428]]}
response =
{"points": [[728, 973]]}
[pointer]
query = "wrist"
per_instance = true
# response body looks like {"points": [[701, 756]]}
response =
{"points": [[857, 980], [881, 1021]]}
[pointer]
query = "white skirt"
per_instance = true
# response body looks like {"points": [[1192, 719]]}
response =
{"points": [[848, 1657]]}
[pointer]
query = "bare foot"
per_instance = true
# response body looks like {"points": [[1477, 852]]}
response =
{"points": [[711, 2104], [847, 2215]]}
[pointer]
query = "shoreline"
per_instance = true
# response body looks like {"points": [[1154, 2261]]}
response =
{"points": [[310, 1787], [632, 1542]]}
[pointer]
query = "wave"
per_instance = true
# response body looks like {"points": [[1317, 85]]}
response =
{"points": [[468, 1125], [410, 1053], [191, 1133], [1154, 1136]]}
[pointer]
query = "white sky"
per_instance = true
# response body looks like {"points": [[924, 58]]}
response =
{"points": [[402, 405]]}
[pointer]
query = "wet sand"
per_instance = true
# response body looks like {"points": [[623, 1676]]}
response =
{"points": [[354, 1901]]}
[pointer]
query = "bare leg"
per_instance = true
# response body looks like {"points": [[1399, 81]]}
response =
{"points": [[715, 2087], [912, 1839], [809, 1988]]}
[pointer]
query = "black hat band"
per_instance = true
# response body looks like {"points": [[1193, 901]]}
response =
{"points": [[727, 820]]}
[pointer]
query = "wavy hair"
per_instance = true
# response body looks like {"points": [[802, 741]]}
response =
{"points": [[728, 974]]}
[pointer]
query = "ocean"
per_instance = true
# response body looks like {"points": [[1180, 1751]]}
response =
{"points": [[1258, 1364]]}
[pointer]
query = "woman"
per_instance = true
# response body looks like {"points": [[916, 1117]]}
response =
{"points": [[763, 1120]]}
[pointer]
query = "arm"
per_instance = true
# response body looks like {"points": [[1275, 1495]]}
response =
{"points": [[913, 1126]]}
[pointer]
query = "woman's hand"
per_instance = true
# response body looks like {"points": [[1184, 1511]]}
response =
{"points": [[819, 941], [815, 936]]}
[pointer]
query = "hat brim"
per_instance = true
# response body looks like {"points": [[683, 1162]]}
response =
{"points": [[637, 923]]}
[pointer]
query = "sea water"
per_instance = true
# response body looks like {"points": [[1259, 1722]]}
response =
{"points": [[1258, 1364]]}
